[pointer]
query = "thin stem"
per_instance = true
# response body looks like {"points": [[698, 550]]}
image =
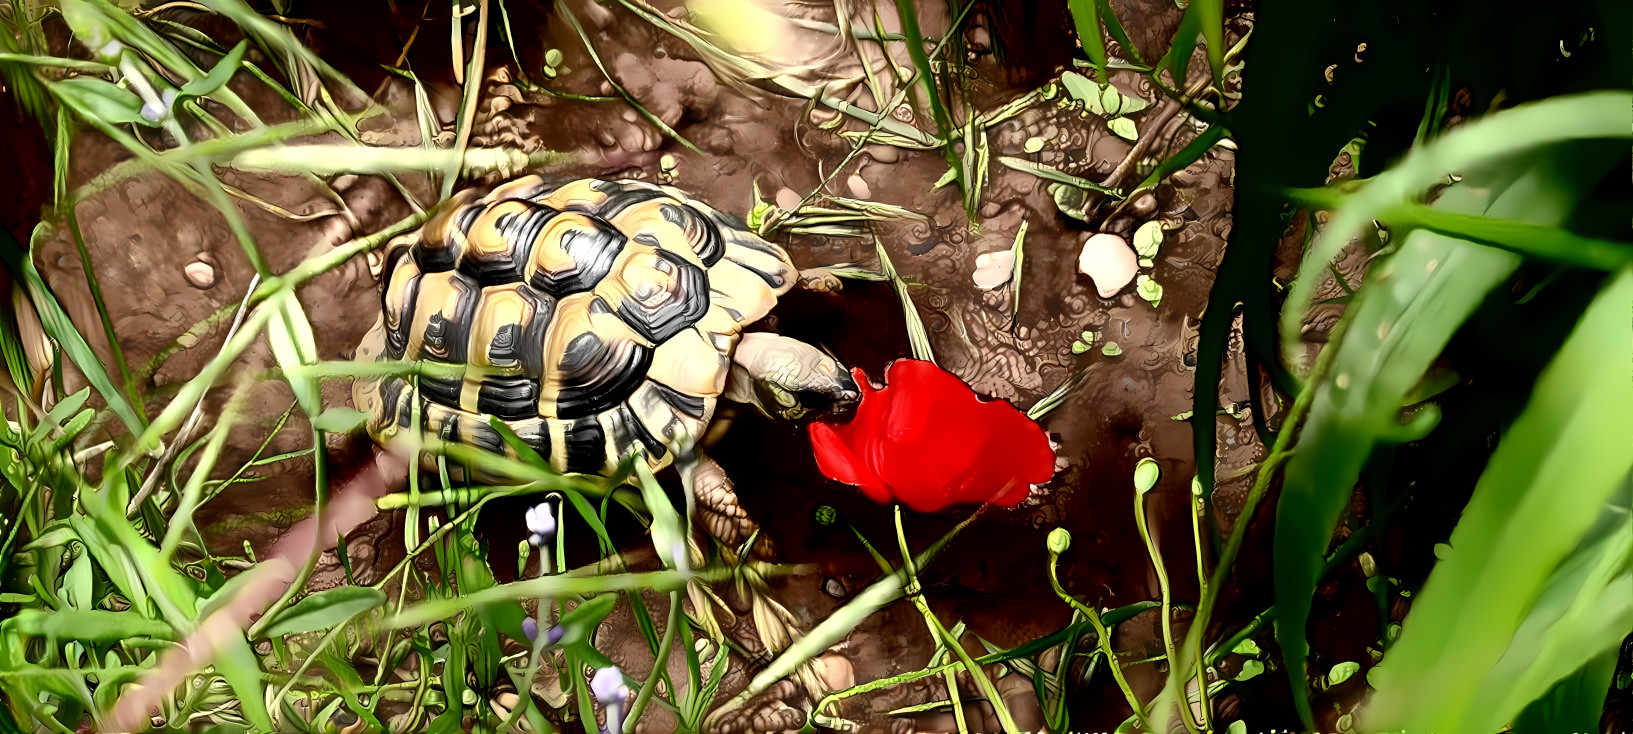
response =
{"points": [[1102, 640], [1198, 506], [952, 643], [1279, 454], [1167, 606]]}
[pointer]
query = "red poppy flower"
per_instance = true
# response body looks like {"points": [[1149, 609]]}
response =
{"points": [[927, 441]]}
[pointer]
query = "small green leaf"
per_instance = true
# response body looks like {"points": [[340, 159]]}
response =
{"points": [[1250, 669], [1079, 347], [1124, 128], [1247, 647], [1110, 349], [577, 624], [219, 75], [339, 419], [1101, 99], [325, 609], [1149, 289], [1342, 672], [102, 100], [553, 58], [1033, 144], [1237, 727], [1147, 239]]}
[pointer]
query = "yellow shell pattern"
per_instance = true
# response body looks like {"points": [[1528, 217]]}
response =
{"points": [[595, 318]]}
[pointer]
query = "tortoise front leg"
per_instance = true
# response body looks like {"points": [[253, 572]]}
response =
{"points": [[820, 280], [718, 511]]}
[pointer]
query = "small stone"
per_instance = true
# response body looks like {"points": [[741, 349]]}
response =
{"points": [[994, 269], [836, 671], [834, 588], [787, 200], [884, 153], [1108, 260], [979, 39], [200, 274], [858, 187]]}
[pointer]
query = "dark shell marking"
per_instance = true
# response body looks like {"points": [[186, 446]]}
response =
{"points": [[552, 302]]}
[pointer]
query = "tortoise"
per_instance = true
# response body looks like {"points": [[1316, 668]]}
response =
{"points": [[596, 319]]}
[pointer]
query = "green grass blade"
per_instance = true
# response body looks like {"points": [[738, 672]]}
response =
{"points": [[572, 20], [1211, 16], [1178, 59], [909, 14], [1528, 127], [1114, 28], [1549, 480], [1402, 320], [917, 338], [61, 328], [1086, 18]]}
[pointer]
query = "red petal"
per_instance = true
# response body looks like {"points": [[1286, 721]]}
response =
{"points": [[928, 441]]}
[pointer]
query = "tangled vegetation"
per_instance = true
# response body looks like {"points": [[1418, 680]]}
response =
{"points": [[1475, 390]]}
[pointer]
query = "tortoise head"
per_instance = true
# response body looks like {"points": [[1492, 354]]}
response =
{"points": [[789, 379]]}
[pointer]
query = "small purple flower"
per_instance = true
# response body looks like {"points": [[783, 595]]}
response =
{"points": [[541, 524], [608, 687], [530, 627]]}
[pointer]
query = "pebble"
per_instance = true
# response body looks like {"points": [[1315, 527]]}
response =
{"points": [[200, 274], [1109, 261], [884, 153], [858, 187], [994, 269], [787, 199]]}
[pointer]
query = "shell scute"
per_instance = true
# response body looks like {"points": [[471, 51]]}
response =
{"points": [[572, 253]]}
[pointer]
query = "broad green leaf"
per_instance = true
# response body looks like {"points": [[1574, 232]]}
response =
{"points": [[579, 623], [1522, 129], [1554, 468], [60, 327], [1124, 128], [60, 412], [1210, 15], [1409, 308], [290, 334], [325, 609], [102, 100], [235, 660], [1178, 59], [667, 525]]}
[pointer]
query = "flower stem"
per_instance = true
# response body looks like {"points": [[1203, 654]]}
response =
{"points": [[1167, 608], [1279, 454], [953, 645], [1198, 506], [1103, 641]]}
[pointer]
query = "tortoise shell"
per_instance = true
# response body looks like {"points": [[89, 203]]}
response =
{"points": [[595, 319]]}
